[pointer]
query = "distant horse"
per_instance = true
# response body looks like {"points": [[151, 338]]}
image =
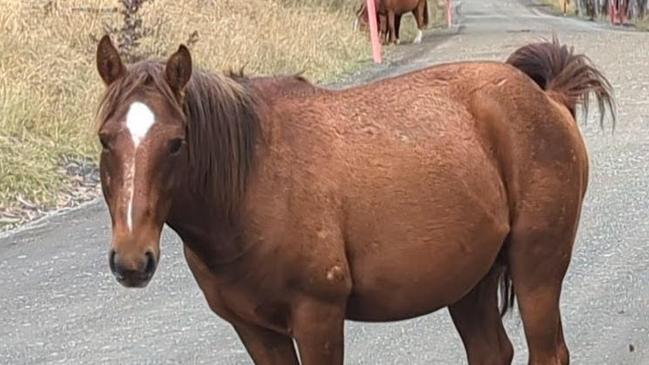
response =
{"points": [[618, 11], [300, 207], [361, 21], [389, 14]]}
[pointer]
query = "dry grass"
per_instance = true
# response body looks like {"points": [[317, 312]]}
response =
{"points": [[642, 24], [49, 86]]}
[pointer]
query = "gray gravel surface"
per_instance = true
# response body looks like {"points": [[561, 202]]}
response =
{"points": [[60, 305]]}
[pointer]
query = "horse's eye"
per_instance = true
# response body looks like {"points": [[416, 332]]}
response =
{"points": [[175, 145]]}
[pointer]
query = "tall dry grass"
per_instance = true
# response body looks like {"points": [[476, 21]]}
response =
{"points": [[49, 86]]}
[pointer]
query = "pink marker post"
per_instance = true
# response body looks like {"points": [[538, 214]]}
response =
{"points": [[449, 13], [374, 31]]}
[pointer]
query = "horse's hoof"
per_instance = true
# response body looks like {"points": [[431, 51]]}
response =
{"points": [[418, 37]]}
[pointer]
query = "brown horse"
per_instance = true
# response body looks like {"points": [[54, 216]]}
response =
{"points": [[300, 207], [389, 14]]}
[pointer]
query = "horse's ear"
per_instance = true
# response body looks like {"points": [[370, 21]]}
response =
{"points": [[109, 63], [179, 69]]}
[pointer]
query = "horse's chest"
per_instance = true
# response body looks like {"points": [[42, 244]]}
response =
{"points": [[241, 300]]}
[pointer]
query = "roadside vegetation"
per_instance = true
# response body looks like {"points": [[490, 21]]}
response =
{"points": [[49, 87], [637, 11]]}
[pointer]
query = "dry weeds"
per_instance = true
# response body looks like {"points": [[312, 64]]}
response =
{"points": [[49, 86]]}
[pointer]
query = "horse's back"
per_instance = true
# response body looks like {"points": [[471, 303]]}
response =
{"points": [[452, 117]]}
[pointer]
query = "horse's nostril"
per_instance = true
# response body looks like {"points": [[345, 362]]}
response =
{"points": [[150, 263], [132, 271], [111, 261]]}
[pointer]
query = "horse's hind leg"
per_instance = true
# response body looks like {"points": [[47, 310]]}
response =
{"points": [[419, 17], [478, 321], [539, 253]]}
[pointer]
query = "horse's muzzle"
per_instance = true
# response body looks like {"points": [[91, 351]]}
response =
{"points": [[133, 272]]}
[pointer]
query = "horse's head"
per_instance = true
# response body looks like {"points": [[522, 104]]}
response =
{"points": [[142, 130]]}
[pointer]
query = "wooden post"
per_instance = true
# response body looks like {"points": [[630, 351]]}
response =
{"points": [[374, 31]]}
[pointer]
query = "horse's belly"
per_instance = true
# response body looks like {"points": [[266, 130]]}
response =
{"points": [[411, 254], [416, 278], [425, 217]]}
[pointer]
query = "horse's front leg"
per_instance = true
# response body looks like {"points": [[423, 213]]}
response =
{"points": [[391, 27], [382, 22], [319, 332], [397, 25], [266, 347]]}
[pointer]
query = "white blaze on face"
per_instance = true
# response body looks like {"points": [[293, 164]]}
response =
{"points": [[139, 120]]}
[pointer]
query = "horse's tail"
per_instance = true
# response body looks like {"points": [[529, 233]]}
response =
{"points": [[567, 77]]}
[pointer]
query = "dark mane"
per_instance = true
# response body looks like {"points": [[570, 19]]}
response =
{"points": [[222, 127]]}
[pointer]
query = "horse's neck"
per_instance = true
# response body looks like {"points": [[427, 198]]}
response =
{"points": [[204, 230], [200, 221]]}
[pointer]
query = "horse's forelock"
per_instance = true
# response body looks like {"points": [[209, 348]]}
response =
{"points": [[142, 76]]}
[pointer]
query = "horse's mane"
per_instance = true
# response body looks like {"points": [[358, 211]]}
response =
{"points": [[222, 122]]}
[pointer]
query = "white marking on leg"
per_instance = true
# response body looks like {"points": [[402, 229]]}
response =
{"points": [[418, 37], [139, 120]]}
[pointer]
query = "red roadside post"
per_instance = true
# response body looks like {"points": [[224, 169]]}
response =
{"points": [[612, 10], [449, 13], [617, 12], [374, 31]]}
